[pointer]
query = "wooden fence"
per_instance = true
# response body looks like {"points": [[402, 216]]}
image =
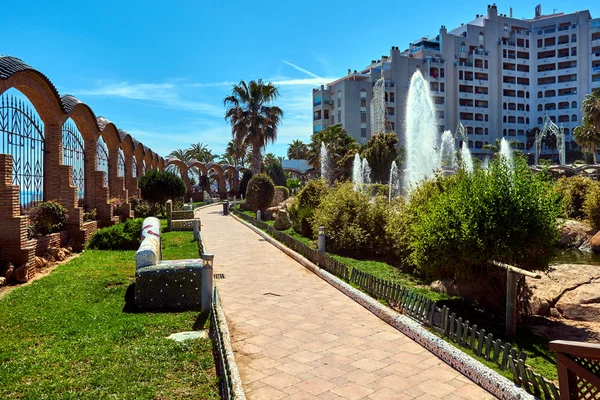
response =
{"points": [[425, 310]]}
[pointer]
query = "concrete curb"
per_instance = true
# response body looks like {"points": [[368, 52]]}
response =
{"points": [[485, 377]]}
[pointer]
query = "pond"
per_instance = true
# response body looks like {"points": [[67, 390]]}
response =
{"points": [[574, 256]]}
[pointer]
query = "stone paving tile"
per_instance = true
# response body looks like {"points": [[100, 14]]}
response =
{"points": [[297, 337]]}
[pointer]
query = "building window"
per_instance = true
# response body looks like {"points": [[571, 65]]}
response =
{"points": [[574, 104], [480, 39], [333, 120], [463, 47], [339, 98], [318, 128], [363, 132], [486, 132], [540, 120], [573, 38], [573, 118], [363, 94], [486, 118], [505, 27], [540, 107]]}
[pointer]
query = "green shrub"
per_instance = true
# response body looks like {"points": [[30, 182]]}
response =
{"points": [[124, 236], [281, 194], [307, 200], [90, 215], [293, 184], [244, 182], [379, 189], [573, 191], [591, 205], [462, 221], [160, 186], [259, 193], [47, 217], [344, 213]]}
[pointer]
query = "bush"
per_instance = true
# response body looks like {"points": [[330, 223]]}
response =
{"points": [[462, 221], [573, 191], [379, 189], [90, 215], [293, 184], [344, 213], [301, 211], [117, 237], [159, 186], [591, 205], [281, 195], [47, 217], [244, 182], [259, 193]]}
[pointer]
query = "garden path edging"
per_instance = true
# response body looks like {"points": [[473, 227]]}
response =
{"points": [[485, 377]]}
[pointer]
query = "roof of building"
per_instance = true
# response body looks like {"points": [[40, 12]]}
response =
{"points": [[300, 165]]}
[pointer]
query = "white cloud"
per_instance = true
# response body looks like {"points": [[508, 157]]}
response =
{"points": [[307, 72]]}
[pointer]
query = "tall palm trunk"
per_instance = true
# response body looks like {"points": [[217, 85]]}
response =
{"points": [[255, 160]]}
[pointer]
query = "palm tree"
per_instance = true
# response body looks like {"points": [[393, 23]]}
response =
{"points": [[238, 152], [297, 150], [199, 151], [253, 120], [591, 110], [227, 159], [587, 137], [178, 154]]}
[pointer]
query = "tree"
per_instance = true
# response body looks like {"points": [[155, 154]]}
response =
{"points": [[238, 151], [160, 186], [200, 152], [254, 121], [588, 133], [272, 166], [297, 150], [587, 137], [380, 151], [341, 149]]}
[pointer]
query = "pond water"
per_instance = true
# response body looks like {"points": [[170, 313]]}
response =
{"points": [[576, 257]]}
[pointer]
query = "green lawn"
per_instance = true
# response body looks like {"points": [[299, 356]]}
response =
{"points": [[70, 335], [539, 356]]}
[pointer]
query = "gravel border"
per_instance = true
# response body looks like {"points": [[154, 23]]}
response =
{"points": [[483, 376]]}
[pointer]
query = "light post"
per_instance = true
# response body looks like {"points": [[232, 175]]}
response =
{"points": [[207, 283]]}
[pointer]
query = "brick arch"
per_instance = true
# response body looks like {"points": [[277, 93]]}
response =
{"points": [[161, 164], [147, 157], [198, 165], [40, 91], [220, 175], [154, 161]]}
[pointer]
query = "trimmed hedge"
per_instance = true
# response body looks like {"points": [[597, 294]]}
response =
{"points": [[117, 237], [259, 193]]}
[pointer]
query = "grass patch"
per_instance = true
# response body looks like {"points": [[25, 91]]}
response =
{"points": [[539, 356], [68, 336]]}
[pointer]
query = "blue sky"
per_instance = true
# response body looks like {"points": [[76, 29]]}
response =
{"points": [[159, 70]]}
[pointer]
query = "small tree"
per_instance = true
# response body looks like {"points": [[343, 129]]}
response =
{"points": [[380, 151], [259, 193], [160, 186], [244, 182]]}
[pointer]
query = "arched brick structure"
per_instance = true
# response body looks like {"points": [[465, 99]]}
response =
{"points": [[54, 111]]}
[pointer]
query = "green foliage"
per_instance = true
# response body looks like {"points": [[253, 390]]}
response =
{"points": [[142, 208], [591, 205], [90, 215], [160, 186], [379, 189], [259, 193], [274, 169], [47, 217], [380, 151], [247, 175], [462, 221], [293, 184], [573, 191], [117, 237], [340, 146], [285, 192], [344, 214], [301, 211], [297, 150]]}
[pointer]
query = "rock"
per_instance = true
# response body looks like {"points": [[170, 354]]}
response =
{"points": [[554, 313], [560, 279], [581, 303], [244, 207], [21, 274], [38, 263], [67, 252], [70, 249], [50, 258], [595, 243], [282, 221], [475, 289], [7, 271], [270, 213], [2, 281], [573, 233]]}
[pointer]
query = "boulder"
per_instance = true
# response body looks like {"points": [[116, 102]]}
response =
{"points": [[581, 303], [282, 221], [57, 253], [574, 234], [8, 270], [270, 213], [21, 274], [595, 243], [2, 281], [38, 263], [477, 289], [560, 279]]}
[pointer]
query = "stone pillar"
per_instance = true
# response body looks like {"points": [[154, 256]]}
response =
{"points": [[236, 182], [91, 160], [222, 187]]}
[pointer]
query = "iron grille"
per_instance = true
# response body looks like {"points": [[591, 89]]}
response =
{"points": [[102, 166], [134, 167], [23, 138], [74, 155], [121, 169]]}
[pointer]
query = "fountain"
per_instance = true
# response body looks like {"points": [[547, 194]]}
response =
{"points": [[486, 163], [559, 133], [448, 152], [357, 176], [507, 154], [467, 160], [325, 172], [422, 156], [394, 182], [366, 172]]}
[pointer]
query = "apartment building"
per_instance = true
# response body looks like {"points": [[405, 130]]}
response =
{"points": [[497, 75]]}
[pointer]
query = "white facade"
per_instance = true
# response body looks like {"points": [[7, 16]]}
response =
{"points": [[499, 76]]}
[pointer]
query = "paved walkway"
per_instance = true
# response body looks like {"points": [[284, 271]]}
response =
{"points": [[297, 337]]}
